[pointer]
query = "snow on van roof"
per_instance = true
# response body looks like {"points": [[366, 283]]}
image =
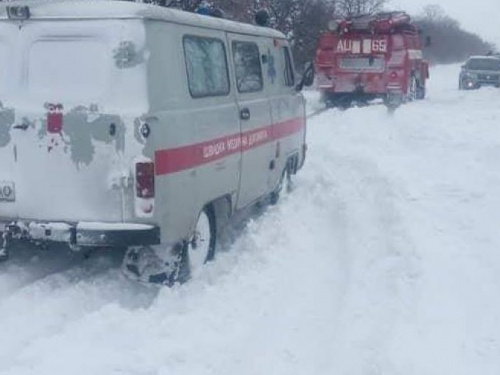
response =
{"points": [[92, 9]]}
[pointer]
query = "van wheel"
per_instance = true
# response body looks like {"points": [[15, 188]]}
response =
{"points": [[275, 195], [292, 165], [200, 248]]}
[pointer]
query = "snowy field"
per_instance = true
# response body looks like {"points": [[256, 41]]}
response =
{"points": [[384, 260]]}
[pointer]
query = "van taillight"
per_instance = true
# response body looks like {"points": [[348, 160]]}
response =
{"points": [[145, 179]]}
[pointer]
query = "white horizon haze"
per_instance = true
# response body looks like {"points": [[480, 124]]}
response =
{"points": [[470, 15]]}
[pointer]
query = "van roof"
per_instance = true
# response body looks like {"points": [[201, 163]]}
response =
{"points": [[105, 9]]}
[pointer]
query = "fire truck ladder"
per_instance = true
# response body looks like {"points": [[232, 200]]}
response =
{"points": [[370, 21]]}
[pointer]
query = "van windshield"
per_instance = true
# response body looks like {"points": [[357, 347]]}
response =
{"points": [[484, 64]]}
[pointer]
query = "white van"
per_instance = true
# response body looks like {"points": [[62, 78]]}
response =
{"points": [[125, 124]]}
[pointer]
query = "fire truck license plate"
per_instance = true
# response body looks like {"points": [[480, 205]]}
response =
{"points": [[7, 191]]}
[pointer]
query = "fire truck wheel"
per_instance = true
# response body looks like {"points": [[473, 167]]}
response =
{"points": [[420, 92], [412, 89], [200, 248]]}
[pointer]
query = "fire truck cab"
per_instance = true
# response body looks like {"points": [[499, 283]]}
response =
{"points": [[369, 57]]}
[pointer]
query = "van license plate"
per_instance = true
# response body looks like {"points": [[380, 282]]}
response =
{"points": [[7, 191]]}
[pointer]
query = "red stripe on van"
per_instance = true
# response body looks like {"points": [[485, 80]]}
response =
{"points": [[178, 159], [286, 128]]}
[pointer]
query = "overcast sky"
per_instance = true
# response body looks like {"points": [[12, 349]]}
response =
{"points": [[479, 16]]}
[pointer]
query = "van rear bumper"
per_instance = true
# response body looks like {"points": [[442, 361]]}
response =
{"points": [[82, 234]]}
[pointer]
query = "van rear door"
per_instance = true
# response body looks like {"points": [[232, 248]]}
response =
{"points": [[63, 120]]}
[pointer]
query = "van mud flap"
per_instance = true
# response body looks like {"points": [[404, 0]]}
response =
{"points": [[151, 265]]}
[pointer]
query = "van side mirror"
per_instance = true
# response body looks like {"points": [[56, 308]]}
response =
{"points": [[307, 76]]}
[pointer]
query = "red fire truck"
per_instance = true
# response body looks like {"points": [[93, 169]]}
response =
{"points": [[369, 57]]}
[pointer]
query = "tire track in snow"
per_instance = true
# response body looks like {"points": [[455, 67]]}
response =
{"points": [[385, 267], [27, 265], [389, 264], [56, 291]]}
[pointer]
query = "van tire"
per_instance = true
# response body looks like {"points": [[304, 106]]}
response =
{"points": [[200, 248], [291, 168], [274, 197]]}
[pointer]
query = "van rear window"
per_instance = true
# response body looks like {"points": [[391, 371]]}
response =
{"points": [[484, 64], [206, 65], [71, 68]]}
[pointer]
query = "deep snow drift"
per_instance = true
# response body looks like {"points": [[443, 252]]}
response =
{"points": [[383, 260]]}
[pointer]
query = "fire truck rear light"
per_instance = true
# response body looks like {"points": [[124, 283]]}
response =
{"points": [[145, 179]]}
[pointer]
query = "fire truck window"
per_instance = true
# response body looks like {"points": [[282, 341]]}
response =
{"points": [[247, 67], [398, 42], [206, 66], [397, 59], [289, 75]]}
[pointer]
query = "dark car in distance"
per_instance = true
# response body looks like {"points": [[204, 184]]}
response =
{"points": [[480, 71]]}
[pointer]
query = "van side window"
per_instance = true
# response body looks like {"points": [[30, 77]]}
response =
{"points": [[289, 75], [247, 67], [206, 65]]}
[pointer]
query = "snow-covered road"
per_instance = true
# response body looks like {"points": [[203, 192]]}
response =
{"points": [[385, 259]]}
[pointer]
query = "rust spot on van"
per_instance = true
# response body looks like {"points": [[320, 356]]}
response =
{"points": [[126, 55], [84, 128]]}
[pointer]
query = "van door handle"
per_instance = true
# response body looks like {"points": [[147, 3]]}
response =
{"points": [[22, 126], [245, 114]]}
